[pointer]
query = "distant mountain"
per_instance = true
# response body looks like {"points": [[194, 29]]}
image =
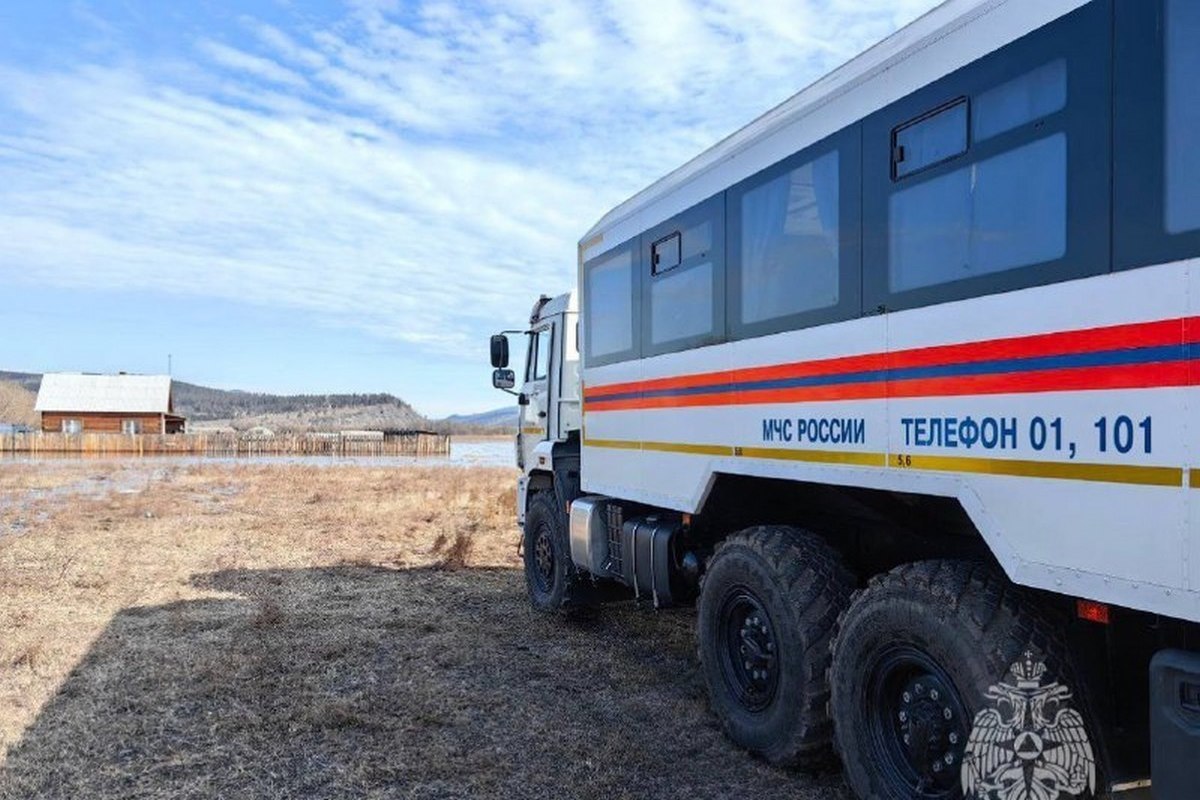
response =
{"points": [[502, 419], [28, 380]]}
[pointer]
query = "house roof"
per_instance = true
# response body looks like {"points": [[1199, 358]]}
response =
{"points": [[135, 394]]}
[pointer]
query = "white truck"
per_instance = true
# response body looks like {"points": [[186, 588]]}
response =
{"points": [[895, 385]]}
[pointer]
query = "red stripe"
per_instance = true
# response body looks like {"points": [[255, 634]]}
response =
{"points": [[1143, 334], [1141, 376]]}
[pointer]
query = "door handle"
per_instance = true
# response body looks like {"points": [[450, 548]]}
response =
{"points": [[542, 414]]}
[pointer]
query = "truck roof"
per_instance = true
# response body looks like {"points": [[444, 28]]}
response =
{"points": [[950, 36]]}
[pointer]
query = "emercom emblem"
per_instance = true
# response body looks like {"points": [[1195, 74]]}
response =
{"points": [[1029, 745]]}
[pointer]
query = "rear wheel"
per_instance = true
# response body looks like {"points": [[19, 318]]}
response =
{"points": [[939, 689], [768, 605]]}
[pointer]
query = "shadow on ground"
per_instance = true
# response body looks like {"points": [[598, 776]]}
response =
{"points": [[365, 682]]}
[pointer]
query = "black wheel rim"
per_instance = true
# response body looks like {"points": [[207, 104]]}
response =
{"points": [[543, 560], [919, 725], [749, 650]]}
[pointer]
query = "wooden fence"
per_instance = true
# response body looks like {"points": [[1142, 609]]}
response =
{"points": [[227, 444]]}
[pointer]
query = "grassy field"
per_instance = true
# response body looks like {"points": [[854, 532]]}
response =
{"points": [[279, 631]]}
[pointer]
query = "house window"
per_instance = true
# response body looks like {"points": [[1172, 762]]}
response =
{"points": [[72, 426], [131, 426]]}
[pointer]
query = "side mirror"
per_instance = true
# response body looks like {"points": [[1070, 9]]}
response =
{"points": [[504, 378], [500, 351]]}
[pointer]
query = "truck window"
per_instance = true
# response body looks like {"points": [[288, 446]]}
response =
{"points": [[539, 356], [684, 286], [682, 292], [681, 304], [997, 214], [790, 242], [1183, 116], [936, 137], [609, 302], [1034, 95]]}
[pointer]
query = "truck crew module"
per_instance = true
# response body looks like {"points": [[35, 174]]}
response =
{"points": [[896, 384]]}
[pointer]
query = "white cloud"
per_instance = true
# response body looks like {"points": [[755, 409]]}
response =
{"points": [[262, 68], [420, 175]]}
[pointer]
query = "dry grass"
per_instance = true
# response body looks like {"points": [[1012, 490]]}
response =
{"points": [[294, 631]]}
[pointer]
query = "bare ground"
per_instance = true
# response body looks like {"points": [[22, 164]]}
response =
{"points": [[279, 631]]}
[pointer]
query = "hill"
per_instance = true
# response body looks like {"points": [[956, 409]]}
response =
{"points": [[206, 407], [16, 405], [27, 380]]}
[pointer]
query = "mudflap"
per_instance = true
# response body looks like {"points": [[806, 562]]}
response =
{"points": [[1175, 725]]}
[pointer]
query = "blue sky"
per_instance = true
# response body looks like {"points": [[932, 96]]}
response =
{"points": [[327, 196]]}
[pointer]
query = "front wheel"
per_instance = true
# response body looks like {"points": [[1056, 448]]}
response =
{"points": [[947, 682], [550, 576]]}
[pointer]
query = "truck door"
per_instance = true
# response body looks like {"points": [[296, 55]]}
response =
{"points": [[535, 413]]}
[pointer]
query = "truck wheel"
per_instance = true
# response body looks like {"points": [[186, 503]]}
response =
{"points": [[919, 654], [768, 606], [550, 575]]}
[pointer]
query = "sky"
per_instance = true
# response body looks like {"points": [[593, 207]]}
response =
{"points": [[312, 196]]}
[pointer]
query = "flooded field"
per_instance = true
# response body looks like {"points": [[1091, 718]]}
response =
{"points": [[466, 451]]}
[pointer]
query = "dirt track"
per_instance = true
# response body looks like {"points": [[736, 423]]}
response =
{"points": [[290, 631]]}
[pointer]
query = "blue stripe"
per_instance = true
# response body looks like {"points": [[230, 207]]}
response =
{"points": [[1107, 358]]}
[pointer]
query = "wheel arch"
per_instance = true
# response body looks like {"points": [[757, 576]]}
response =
{"points": [[874, 529]]}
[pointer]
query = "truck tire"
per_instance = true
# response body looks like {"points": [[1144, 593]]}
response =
{"points": [[550, 575], [914, 658], [769, 602]]}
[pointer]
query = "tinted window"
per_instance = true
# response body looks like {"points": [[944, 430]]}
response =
{"points": [[789, 234], [610, 305], [1183, 116], [681, 304], [697, 240], [1032, 96], [664, 254], [1004, 212], [930, 140]]}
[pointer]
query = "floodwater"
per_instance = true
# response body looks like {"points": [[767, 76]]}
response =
{"points": [[464, 452]]}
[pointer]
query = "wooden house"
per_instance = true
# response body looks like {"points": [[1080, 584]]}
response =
{"points": [[130, 404]]}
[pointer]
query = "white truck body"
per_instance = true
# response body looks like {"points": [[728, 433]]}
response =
{"points": [[968, 363], [1110, 526]]}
